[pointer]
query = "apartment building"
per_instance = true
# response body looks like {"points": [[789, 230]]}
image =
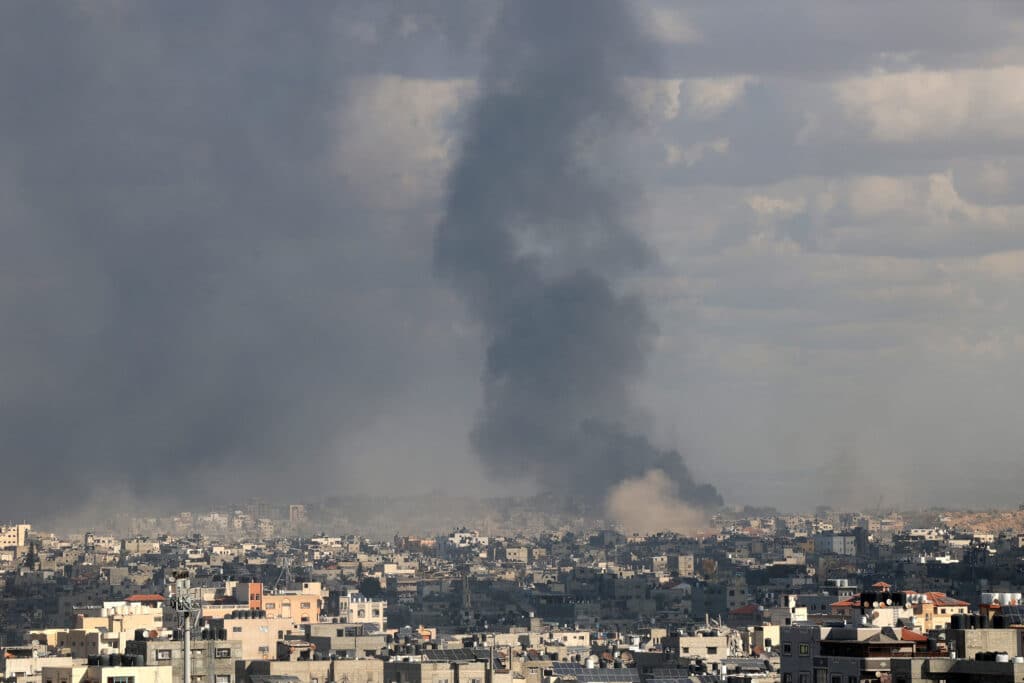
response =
{"points": [[213, 661], [355, 608], [841, 654], [14, 535], [96, 673]]}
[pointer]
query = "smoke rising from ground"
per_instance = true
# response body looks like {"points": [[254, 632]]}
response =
{"points": [[649, 504], [533, 238]]}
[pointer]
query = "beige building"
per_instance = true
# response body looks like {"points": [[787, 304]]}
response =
{"points": [[682, 565], [710, 647], [301, 606], [14, 535], [257, 637], [314, 671], [24, 664], [354, 608], [349, 640], [435, 672], [119, 617], [107, 674]]}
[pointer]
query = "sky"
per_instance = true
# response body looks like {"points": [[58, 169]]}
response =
{"points": [[218, 272]]}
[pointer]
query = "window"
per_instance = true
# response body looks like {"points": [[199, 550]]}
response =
{"points": [[712, 650], [376, 612], [223, 653], [805, 677], [805, 649], [341, 632], [787, 649], [271, 605], [223, 678], [686, 650], [837, 679], [303, 605], [163, 655], [120, 679], [236, 629], [264, 649], [787, 678]]}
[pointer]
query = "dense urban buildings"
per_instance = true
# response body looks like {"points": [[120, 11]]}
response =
{"points": [[834, 597]]}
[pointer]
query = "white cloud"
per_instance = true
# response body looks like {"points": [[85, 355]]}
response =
{"points": [[700, 98], [692, 154], [765, 205], [394, 142], [709, 97], [922, 105]]}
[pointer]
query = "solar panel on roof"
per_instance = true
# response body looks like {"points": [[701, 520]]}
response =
{"points": [[1013, 614], [459, 655], [584, 675]]}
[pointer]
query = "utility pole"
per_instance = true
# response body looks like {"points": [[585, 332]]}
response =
{"points": [[188, 605]]}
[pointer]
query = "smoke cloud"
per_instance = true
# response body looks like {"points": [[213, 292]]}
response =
{"points": [[535, 238], [192, 300], [649, 504]]}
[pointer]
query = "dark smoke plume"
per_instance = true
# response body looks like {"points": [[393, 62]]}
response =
{"points": [[533, 234]]}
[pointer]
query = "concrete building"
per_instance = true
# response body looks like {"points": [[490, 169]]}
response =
{"points": [[213, 661], [711, 646], [920, 669], [346, 640], [24, 664], [843, 654], [302, 605], [312, 670], [82, 673], [257, 637], [14, 535], [682, 565], [119, 616], [968, 643], [835, 544], [355, 608], [434, 672]]}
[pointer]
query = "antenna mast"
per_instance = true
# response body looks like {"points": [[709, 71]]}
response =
{"points": [[187, 603]]}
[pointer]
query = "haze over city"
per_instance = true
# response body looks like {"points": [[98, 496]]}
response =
{"points": [[677, 253]]}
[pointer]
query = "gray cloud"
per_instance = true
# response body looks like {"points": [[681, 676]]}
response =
{"points": [[217, 240], [194, 301], [530, 233]]}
